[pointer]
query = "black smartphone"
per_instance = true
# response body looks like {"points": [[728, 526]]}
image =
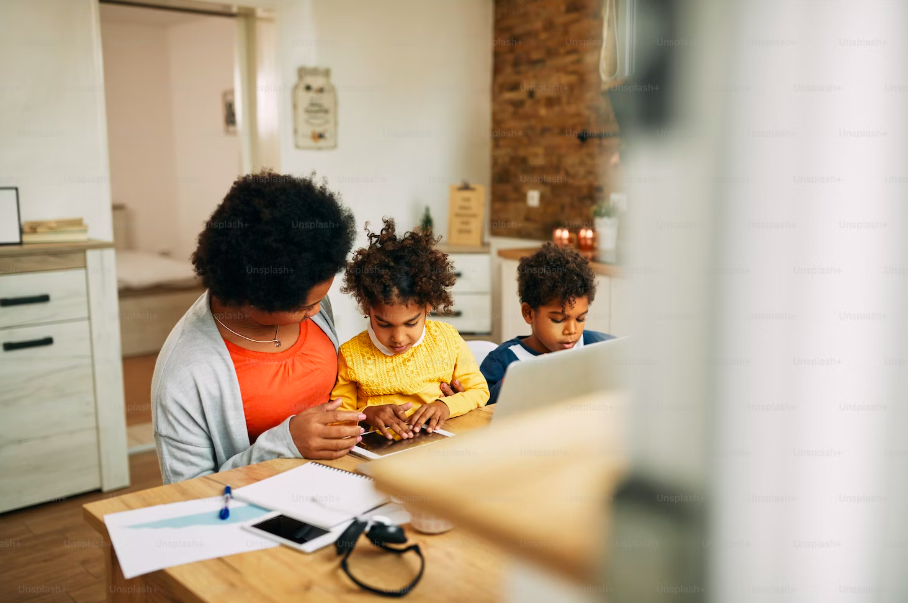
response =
{"points": [[292, 532]]}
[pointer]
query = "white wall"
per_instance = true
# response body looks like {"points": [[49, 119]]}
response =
{"points": [[140, 129], [202, 55], [53, 136], [413, 82], [171, 161]]}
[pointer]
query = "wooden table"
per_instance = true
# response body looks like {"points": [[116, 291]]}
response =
{"points": [[459, 566], [608, 268], [538, 485]]}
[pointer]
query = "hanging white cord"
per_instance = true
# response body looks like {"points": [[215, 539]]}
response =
{"points": [[609, 12]]}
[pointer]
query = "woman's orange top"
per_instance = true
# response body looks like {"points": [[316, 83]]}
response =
{"points": [[276, 386]]}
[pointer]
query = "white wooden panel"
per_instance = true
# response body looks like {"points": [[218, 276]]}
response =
{"points": [[599, 316], [512, 323], [474, 313], [66, 289], [41, 470], [621, 307], [146, 321], [47, 390], [105, 340], [474, 270]]}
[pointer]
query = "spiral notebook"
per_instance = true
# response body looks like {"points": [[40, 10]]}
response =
{"points": [[316, 494]]}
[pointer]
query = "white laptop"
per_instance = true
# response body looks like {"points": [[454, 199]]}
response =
{"points": [[551, 378]]}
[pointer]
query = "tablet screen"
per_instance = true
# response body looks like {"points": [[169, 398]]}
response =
{"points": [[378, 444]]}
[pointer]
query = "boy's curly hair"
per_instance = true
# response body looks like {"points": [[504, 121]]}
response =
{"points": [[555, 274], [395, 269], [271, 240]]}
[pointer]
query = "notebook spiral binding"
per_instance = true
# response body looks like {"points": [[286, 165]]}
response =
{"points": [[354, 473]]}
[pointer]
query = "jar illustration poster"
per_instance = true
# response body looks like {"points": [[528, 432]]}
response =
{"points": [[314, 110]]}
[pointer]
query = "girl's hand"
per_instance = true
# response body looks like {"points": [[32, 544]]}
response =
{"points": [[389, 417], [432, 415], [456, 387]]}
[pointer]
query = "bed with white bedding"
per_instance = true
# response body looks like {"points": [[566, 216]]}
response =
{"points": [[137, 270], [154, 293]]}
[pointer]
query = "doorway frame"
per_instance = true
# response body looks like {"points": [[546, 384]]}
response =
{"points": [[246, 16]]}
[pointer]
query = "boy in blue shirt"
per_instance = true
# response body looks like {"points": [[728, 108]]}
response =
{"points": [[556, 287]]}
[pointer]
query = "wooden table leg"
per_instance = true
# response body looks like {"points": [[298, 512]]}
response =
{"points": [[119, 589]]}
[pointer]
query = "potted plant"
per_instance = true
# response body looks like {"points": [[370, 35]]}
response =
{"points": [[426, 222], [605, 220]]}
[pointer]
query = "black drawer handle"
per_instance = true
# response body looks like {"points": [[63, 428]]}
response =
{"points": [[458, 274], [21, 301], [455, 314], [21, 345]]}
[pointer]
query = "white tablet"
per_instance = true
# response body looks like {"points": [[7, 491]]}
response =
{"points": [[375, 446]]}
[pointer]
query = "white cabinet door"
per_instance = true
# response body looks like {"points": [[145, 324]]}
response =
{"points": [[512, 323], [48, 385], [621, 307], [473, 272], [52, 296], [599, 317], [471, 313]]}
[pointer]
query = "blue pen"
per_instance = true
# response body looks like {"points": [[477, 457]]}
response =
{"points": [[225, 512]]}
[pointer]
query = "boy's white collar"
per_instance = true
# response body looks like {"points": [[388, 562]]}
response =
{"points": [[382, 348]]}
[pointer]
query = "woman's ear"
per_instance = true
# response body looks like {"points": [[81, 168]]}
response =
{"points": [[527, 312]]}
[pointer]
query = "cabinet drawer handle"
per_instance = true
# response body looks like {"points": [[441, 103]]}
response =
{"points": [[21, 301], [458, 274], [454, 314], [10, 346]]}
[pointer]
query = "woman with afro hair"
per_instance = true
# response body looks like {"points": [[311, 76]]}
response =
{"points": [[245, 376], [395, 370]]}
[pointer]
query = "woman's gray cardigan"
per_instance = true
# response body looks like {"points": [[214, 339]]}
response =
{"points": [[197, 410]]}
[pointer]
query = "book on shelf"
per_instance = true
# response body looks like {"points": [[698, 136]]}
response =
{"points": [[54, 231], [54, 225], [63, 236]]}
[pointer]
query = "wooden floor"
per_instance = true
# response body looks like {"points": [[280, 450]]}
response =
{"points": [[48, 552], [137, 372]]}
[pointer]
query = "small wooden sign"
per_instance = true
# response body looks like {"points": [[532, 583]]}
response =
{"points": [[465, 214]]}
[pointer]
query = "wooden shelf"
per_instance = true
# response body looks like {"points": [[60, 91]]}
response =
{"points": [[603, 268], [47, 248], [463, 248]]}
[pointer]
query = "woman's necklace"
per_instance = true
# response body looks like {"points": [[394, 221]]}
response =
{"points": [[275, 340]]}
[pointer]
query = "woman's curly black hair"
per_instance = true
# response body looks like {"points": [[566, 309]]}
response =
{"points": [[555, 274], [271, 240], [400, 269]]}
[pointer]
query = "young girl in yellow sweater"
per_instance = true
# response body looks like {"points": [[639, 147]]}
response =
{"points": [[392, 372]]}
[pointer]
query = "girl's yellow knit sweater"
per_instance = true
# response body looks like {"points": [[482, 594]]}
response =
{"points": [[367, 377]]}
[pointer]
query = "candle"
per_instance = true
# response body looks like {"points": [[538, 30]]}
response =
{"points": [[561, 236], [586, 238]]}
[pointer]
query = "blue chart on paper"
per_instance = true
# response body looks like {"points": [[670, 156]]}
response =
{"points": [[237, 515]]}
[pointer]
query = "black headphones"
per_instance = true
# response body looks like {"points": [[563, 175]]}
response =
{"points": [[381, 532]]}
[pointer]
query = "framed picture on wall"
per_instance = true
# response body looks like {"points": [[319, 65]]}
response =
{"points": [[227, 101], [10, 221]]}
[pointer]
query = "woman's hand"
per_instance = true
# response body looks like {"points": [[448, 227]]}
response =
{"points": [[389, 417], [435, 413], [315, 436]]}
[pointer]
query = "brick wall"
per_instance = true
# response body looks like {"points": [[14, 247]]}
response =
{"points": [[545, 89]]}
